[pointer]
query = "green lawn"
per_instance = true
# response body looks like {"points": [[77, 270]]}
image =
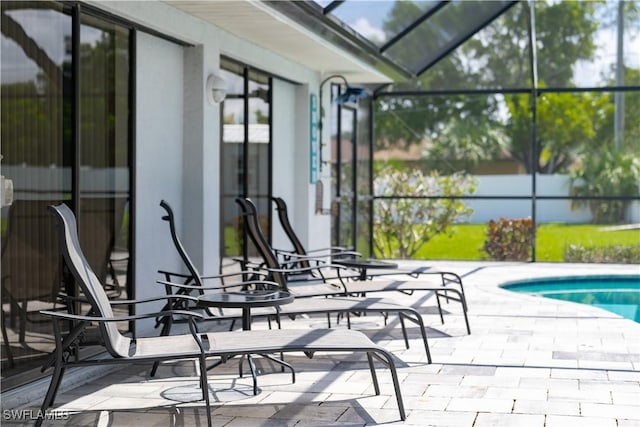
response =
{"points": [[467, 240]]}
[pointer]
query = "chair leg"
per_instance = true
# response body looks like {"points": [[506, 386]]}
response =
{"points": [[254, 375], [423, 331], [417, 319], [460, 298], [463, 300], [252, 370], [466, 320], [387, 359], [374, 376], [404, 329], [166, 330], [5, 337], [23, 322], [283, 365], [56, 377], [439, 307], [205, 388]]}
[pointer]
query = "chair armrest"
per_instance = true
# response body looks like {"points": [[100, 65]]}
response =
{"points": [[336, 250], [173, 273], [232, 274], [80, 317], [292, 256], [244, 263], [220, 287], [212, 276], [320, 262], [153, 299], [306, 269]]}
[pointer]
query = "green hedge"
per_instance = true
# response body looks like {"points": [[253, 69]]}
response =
{"points": [[604, 254]]}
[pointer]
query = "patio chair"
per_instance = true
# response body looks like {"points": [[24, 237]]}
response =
{"points": [[450, 283], [339, 302], [195, 345], [300, 256], [194, 282]]}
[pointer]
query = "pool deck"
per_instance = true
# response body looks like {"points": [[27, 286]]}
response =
{"points": [[529, 361]]}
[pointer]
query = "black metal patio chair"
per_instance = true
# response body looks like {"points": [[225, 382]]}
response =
{"points": [[450, 285]]}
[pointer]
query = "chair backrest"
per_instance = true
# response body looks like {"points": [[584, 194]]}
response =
{"points": [[283, 216], [193, 271], [260, 241], [116, 343]]}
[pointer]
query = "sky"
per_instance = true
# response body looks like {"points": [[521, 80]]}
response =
{"points": [[365, 16]]}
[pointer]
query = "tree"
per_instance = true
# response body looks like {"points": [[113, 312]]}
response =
{"points": [[497, 57], [566, 122], [615, 171], [611, 173], [401, 227]]}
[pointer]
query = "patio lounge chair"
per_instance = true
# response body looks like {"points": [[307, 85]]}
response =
{"points": [[195, 345], [338, 303], [194, 282], [449, 282]]}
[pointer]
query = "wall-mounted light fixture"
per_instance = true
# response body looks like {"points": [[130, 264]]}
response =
{"points": [[216, 89], [350, 94]]}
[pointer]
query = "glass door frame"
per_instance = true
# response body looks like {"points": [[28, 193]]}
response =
{"points": [[342, 218]]}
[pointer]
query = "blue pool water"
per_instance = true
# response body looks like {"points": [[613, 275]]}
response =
{"points": [[618, 294]]}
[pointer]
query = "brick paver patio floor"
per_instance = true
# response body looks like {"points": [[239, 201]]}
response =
{"points": [[528, 362]]}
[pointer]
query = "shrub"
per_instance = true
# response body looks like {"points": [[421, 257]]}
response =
{"points": [[603, 254], [401, 226], [605, 175], [509, 239]]}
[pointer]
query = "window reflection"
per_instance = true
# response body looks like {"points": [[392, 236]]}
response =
{"points": [[35, 90], [38, 155], [104, 180], [246, 145]]}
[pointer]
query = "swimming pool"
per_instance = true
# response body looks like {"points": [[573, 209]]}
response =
{"points": [[618, 294]]}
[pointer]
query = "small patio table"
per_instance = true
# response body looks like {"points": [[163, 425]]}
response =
{"points": [[247, 300]]}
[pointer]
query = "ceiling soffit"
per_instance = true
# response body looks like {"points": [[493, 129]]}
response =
{"points": [[264, 26]]}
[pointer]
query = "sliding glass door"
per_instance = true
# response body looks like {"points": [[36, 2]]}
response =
{"points": [[245, 153], [65, 138]]}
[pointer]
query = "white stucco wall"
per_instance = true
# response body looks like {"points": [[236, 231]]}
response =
{"points": [[159, 155], [285, 149]]}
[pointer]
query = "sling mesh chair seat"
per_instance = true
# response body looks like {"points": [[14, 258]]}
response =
{"points": [[195, 345], [444, 284]]}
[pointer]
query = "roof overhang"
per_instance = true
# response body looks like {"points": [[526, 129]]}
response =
{"points": [[263, 25]]}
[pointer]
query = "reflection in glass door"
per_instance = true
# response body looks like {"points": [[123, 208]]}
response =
{"points": [[245, 154], [104, 158], [57, 147]]}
